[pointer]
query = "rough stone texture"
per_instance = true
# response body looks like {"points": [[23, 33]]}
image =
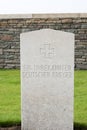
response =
{"points": [[10, 30]]}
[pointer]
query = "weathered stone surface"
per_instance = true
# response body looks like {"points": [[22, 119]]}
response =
{"points": [[67, 20], [47, 71], [11, 50], [12, 61], [84, 25], [6, 37], [1, 51], [1, 61], [81, 66]]}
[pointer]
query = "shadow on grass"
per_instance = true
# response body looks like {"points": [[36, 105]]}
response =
{"points": [[78, 126], [9, 124]]}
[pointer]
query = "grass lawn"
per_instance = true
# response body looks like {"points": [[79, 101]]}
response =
{"points": [[10, 97], [80, 98]]}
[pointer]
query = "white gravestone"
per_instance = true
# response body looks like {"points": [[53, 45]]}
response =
{"points": [[47, 79]]}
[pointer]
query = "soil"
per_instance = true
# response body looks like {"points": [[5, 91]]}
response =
{"points": [[19, 128], [11, 128]]}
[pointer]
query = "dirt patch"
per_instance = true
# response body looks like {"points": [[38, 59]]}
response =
{"points": [[11, 128], [19, 128]]}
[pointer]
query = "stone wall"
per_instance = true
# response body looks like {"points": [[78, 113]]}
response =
{"points": [[11, 28]]}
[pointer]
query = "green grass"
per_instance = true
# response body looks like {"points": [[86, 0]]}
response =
{"points": [[9, 97], [80, 101], [10, 111]]}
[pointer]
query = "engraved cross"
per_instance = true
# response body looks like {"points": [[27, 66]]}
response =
{"points": [[47, 51]]}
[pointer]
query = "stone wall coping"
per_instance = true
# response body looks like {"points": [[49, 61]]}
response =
{"points": [[15, 16], [54, 15], [60, 15]]}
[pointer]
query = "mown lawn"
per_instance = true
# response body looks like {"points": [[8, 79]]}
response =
{"points": [[9, 97], [80, 98], [10, 108]]}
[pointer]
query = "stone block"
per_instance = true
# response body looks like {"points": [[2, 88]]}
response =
{"points": [[1, 51], [47, 71]]}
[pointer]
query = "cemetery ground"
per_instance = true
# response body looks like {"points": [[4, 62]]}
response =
{"points": [[10, 96]]}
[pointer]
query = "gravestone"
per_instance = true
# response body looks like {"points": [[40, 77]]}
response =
{"points": [[47, 74]]}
